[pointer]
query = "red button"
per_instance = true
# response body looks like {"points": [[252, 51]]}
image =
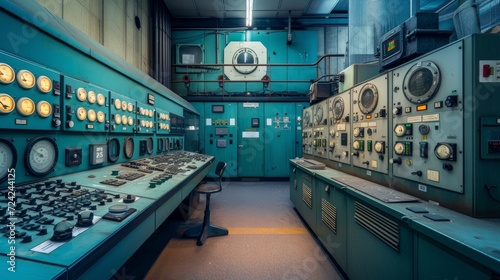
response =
{"points": [[486, 70]]}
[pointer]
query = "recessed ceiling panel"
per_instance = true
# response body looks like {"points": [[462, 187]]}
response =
{"points": [[266, 4], [176, 5]]}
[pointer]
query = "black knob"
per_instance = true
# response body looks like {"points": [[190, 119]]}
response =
{"points": [[356, 154], [418, 173], [381, 157], [382, 113], [395, 160], [56, 122], [366, 162], [397, 110], [43, 231], [26, 239], [346, 119], [447, 167]]}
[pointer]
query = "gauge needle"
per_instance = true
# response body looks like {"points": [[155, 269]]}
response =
{"points": [[4, 106], [40, 154]]}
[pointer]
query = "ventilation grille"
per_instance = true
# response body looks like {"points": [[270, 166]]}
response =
{"points": [[384, 228], [329, 215], [307, 195]]}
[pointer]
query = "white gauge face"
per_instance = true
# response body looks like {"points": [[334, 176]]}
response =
{"points": [[356, 145], [332, 132], [124, 105], [332, 144], [26, 79], [143, 123], [118, 104], [41, 156], [356, 131], [25, 106], [151, 113], [443, 151], [141, 111], [319, 114], [44, 84], [81, 113], [124, 120], [399, 148], [92, 98], [101, 117], [7, 158], [91, 115], [167, 126], [7, 103], [7, 74], [379, 147], [130, 107], [101, 99], [118, 119], [81, 94], [43, 109], [399, 130], [130, 121]]}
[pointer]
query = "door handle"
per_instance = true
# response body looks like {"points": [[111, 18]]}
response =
{"points": [[240, 146]]}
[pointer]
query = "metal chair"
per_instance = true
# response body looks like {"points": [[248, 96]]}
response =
{"points": [[205, 230]]}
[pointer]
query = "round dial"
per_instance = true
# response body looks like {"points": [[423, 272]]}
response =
{"points": [[118, 119], [167, 144], [124, 105], [332, 131], [130, 121], [7, 103], [356, 145], [130, 107], [40, 156], [338, 108], [149, 145], [143, 123], [307, 118], [101, 99], [81, 113], [44, 84], [332, 144], [244, 60], [91, 115], [319, 114], [151, 113], [26, 79], [113, 149], [128, 147], [368, 98], [7, 74], [124, 120], [399, 148], [167, 126], [443, 151], [25, 106], [141, 111], [118, 104], [356, 131], [92, 98], [379, 147], [421, 82], [81, 94], [424, 129], [101, 117], [160, 145], [399, 130], [43, 109], [8, 158]]}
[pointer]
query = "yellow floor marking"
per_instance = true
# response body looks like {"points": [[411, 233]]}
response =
{"points": [[267, 231]]}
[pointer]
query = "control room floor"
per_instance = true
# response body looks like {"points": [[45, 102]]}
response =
{"points": [[267, 240]]}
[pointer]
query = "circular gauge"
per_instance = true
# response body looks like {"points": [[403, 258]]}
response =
{"points": [[101, 117], [424, 129], [91, 115], [130, 107], [307, 117], [81, 94], [356, 132], [443, 151], [7, 74], [118, 119], [244, 60], [149, 145], [8, 158], [338, 108], [399, 148], [124, 105], [124, 120], [319, 114], [113, 149], [379, 147], [160, 144], [143, 123], [44, 84], [26, 79], [41, 156], [167, 126], [332, 144], [332, 131], [7, 103], [141, 111], [167, 144], [400, 130], [25, 106], [151, 113], [101, 99], [130, 121], [128, 147], [81, 113], [368, 98], [356, 145], [421, 82], [43, 109], [118, 104], [92, 98]]}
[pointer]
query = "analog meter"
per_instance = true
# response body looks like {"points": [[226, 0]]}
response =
{"points": [[81, 94], [44, 84], [7, 74], [40, 156], [7, 103], [8, 158], [43, 109], [26, 79], [25, 106]]}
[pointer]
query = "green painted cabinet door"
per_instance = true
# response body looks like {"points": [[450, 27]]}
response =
{"points": [[250, 139]]}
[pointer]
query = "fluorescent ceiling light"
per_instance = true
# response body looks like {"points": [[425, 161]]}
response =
{"points": [[322, 7], [249, 12]]}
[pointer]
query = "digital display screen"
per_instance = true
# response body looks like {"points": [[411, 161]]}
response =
{"points": [[97, 153], [221, 131], [391, 45], [217, 108]]}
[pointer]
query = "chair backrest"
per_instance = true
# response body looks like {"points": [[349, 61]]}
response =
{"points": [[219, 170]]}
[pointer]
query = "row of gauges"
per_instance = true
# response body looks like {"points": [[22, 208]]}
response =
{"points": [[90, 115], [92, 97], [25, 106], [24, 78], [124, 106]]}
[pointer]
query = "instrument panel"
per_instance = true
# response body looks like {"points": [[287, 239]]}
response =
{"points": [[307, 131], [320, 129], [339, 114]]}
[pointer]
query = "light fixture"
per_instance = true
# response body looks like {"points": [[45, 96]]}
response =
{"points": [[249, 12]]}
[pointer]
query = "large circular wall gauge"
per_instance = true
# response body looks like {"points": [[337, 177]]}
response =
{"points": [[25, 106], [421, 82], [400, 130], [128, 147], [130, 107], [124, 120], [124, 105], [26, 79], [368, 98], [149, 145], [43, 109], [44, 84], [81, 94], [81, 113], [7, 103], [92, 97], [40, 156], [338, 108], [8, 158], [91, 115], [101, 99], [7, 74], [113, 149], [118, 104], [244, 60], [399, 148], [118, 119], [101, 117]]}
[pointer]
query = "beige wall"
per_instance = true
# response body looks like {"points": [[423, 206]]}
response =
{"points": [[111, 23]]}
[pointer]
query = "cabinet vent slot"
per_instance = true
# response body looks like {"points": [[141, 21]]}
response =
{"points": [[329, 215], [307, 195], [379, 225]]}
